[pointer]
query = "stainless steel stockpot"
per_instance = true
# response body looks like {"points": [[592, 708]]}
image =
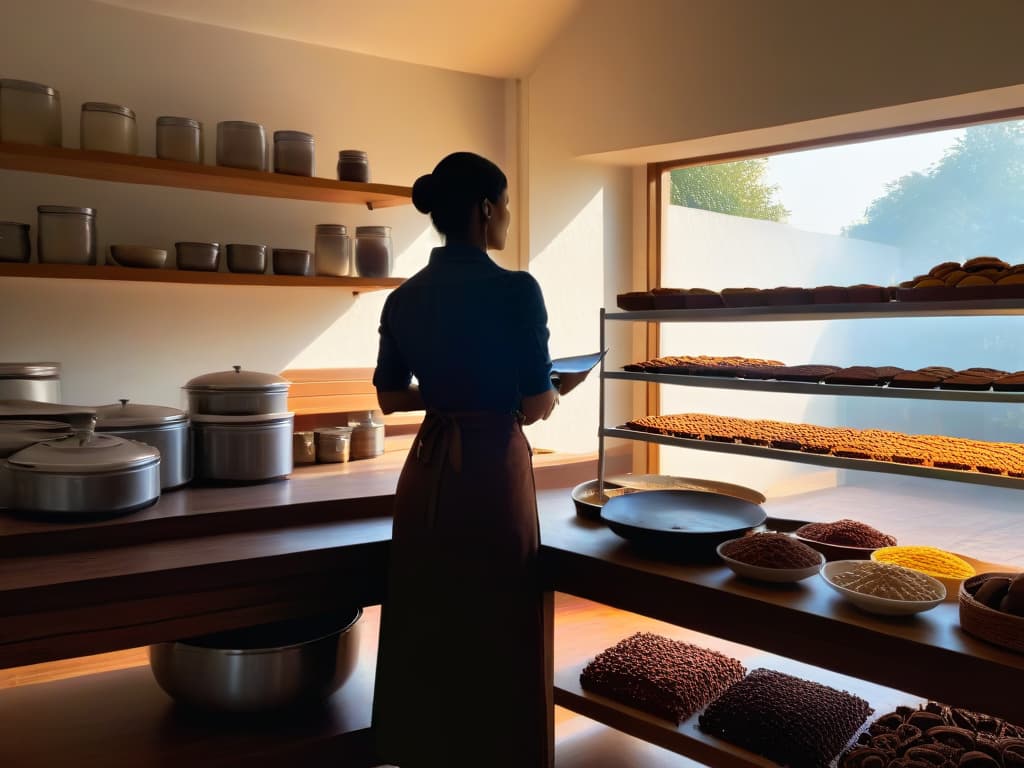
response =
{"points": [[164, 428], [39, 382], [84, 474], [17, 434], [243, 449], [237, 393], [261, 669]]}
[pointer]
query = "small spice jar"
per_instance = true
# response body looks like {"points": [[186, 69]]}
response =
{"points": [[303, 448], [333, 444], [367, 435], [333, 250], [373, 251], [353, 165], [109, 128], [293, 153], [14, 242], [241, 145], [66, 235], [29, 113], [179, 138]]}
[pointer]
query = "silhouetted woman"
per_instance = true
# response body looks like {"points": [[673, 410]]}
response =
{"points": [[460, 673]]}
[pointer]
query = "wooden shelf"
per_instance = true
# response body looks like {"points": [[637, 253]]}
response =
{"points": [[827, 311], [814, 388], [821, 460], [134, 169], [124, 719], [136, 274]]}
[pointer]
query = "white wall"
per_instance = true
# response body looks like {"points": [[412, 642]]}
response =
{"points": [[144, 341], [650, 80]]}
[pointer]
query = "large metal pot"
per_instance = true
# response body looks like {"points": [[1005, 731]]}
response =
{"points": [[84, 474], [164, 428], [260, 669], [237, 393], [243, 449], [30, 381], [16, 435]]}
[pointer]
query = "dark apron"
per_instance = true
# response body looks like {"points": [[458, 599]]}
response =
{"points": [[460, 675]]}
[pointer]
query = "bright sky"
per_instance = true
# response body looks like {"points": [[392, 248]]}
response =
{"points": [[827, 189]]}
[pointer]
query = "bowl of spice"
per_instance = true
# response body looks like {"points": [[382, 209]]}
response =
{"points": [[844, 539], [948, 568], [772, 557], [883, 588]]}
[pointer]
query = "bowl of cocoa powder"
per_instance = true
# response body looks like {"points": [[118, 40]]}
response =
{"points": [[844, 539]]}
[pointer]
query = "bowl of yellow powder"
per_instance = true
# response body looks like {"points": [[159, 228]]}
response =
{"points": [[948, 568], [883, 588]]}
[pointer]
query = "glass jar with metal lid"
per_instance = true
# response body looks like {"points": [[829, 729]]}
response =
{"points": [[14, 242], [333, 444], [333, 250], [241, 145], [179, 138], [237, 392], [293, 153], [373, 251], [109, 128], [367, 435], [66, 235], [353, 165], [36, 382], [29, 113], [304, 447]]}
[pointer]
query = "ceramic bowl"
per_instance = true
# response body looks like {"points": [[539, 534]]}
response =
{"points": [[883, 606], [138, 256], [760, 573]]}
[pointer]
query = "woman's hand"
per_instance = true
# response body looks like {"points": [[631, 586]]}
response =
{"points": [[538, 407]]}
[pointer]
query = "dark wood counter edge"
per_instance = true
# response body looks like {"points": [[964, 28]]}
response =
{"points": [[80, 603]]}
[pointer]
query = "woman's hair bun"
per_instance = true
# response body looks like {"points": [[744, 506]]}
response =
{"points": [[423, 193]]}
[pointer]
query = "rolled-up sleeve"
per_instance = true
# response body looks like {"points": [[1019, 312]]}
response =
{"points": [[392, 373], [533, 359]]}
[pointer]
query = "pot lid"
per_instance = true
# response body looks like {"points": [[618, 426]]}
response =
{"points": [[14, 440], [306, 138], [84, 452], [238, 379], [40, 425], [102, 106], [126, 414], [258, 418], [34, 409], [28, 85], [186, 122], [29, 370]]}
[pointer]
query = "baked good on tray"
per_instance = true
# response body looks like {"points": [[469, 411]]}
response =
{"points": [[795, 722], [668, 678], [867, 444], [982, 277]]}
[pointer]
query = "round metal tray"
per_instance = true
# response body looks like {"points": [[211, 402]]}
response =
{"points": [[589, 502]]}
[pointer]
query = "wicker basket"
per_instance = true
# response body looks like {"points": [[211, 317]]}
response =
{"points": [[988, 624]]}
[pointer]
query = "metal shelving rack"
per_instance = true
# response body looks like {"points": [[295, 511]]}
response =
{"points": [[805, 313]]}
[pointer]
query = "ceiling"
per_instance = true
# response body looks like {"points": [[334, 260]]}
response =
{"points": [[486, 37]]}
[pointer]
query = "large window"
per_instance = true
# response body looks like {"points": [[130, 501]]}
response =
{"points": [[879, 212]]}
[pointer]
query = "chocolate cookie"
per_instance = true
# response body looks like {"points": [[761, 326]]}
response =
{"points": [[1013, 382], [967, 381], [856, 374], [916, 380], [804, 372]]}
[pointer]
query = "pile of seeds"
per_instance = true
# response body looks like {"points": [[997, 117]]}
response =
{"points": [[668, 678], [771, 550], [929, 560], [846, 533], [792, 721], [886, 580]]}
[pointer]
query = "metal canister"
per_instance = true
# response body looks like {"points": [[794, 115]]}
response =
{"points": [[14, 242], [367, 435], [241, 144], [373, 251], [293, 153], [333, 444], [179, 138], [109, 128], [333, 253], [29, 113], [353, 165], [66, 235], [36, 382]]}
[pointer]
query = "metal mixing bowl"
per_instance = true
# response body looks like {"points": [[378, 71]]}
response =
{"points": [[260, 669]]}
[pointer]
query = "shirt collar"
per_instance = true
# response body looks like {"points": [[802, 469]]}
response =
{"points": [[458, 252]]}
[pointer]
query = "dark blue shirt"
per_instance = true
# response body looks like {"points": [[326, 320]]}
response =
{"points": [[474, 335]]}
